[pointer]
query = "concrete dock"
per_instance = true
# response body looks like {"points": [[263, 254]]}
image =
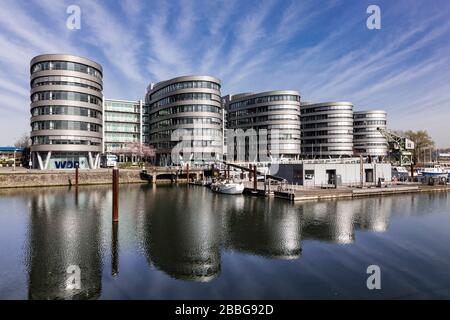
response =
{"points": [[300, 193], [341, 193]]}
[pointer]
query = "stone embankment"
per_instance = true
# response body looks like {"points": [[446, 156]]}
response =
{"points": [[37, 178]]}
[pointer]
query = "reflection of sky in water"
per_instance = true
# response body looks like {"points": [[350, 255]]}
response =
{"points": [[172, 243]]}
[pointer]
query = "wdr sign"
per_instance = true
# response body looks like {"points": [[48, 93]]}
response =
{"points": [[67, 164]]}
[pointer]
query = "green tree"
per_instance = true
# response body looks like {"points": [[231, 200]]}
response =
{"points": [[422, 140]]}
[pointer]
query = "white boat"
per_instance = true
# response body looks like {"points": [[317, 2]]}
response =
{"points": [[228, 187], [434, 171]]}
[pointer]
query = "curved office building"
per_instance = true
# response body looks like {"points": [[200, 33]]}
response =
{"points": [[185, 111], [368, 141], [327, 129], [271, 110], [66, 111]]}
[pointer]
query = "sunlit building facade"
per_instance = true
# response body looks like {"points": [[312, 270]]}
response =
{"points": [[188, 106], [327, 130], [367, 140], [66, 112], [277, 112]]}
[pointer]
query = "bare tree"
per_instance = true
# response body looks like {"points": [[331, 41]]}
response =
{"points": [[23, 142]]}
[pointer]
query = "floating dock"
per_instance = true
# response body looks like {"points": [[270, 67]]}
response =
{"points": [[342, 193]]}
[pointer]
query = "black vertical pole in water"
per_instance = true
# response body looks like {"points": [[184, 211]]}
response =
{"points": [[255, 180], [115, 250], [187, 172], [115, 198], [76, 176]]}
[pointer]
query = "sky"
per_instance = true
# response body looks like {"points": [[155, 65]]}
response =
{"points": [[323, 49]]}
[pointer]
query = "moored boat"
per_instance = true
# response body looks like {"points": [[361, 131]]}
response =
{"points": [[434, 171], [228, 187]]}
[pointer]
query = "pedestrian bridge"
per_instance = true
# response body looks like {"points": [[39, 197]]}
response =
{"points": [[172, 174]]}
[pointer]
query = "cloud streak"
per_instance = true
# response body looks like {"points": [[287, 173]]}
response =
{"points": [[322, 49]]}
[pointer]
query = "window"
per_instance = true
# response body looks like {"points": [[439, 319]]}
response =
{"points": [[309, 174]]}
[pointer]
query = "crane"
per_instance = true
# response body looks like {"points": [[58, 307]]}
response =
{"points": [[399, 147]]}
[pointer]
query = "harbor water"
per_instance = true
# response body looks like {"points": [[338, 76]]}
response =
{"points": [[186, 242]]}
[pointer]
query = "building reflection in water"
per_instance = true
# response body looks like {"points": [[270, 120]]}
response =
{"points": [[336, 221], [64, 230], [267, 228], [374, 213], [328, 221], [182, 235]]}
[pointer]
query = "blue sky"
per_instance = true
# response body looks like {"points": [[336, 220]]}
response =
{"points": [[321, 48]]}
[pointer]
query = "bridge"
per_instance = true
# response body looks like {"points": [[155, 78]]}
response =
{"points": [[188, 173]]}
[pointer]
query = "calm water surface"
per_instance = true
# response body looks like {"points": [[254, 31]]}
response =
{"points": [[187, 242]]}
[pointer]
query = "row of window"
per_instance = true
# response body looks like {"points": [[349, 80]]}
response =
{"points": [[167, 134], [263, 119], [372, 144], [66, 110], [121, 127], [47, 140], [64, 140], [65, 125], [66, 65], [122, 107], [185, 85], [326, 125], [239, 104], [66, 95], [186, 108], [186, 120], [328, 133], [186, 144], [368, 136], [122, 117], [328, 140], [370, 122], [328, 116], [185, 96], [369, 115], [249, 111], [65, 80], [326, 109], [66, 83], [121, 137]]}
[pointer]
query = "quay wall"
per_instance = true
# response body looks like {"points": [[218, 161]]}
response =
{"points": [[66, 178]]}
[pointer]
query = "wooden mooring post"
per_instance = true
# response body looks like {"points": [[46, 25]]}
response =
{"points": [[115, 197], [255, 179]]}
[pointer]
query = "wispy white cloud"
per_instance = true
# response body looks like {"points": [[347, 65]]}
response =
{"points": [[322, 49]]}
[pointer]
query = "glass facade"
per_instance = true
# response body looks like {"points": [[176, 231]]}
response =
{"points": [[191, 105], [123, 123], [327, 130], [368, 141], [66, 112], [275, 110], [66, 65], [66, 95], [185, 85]]}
